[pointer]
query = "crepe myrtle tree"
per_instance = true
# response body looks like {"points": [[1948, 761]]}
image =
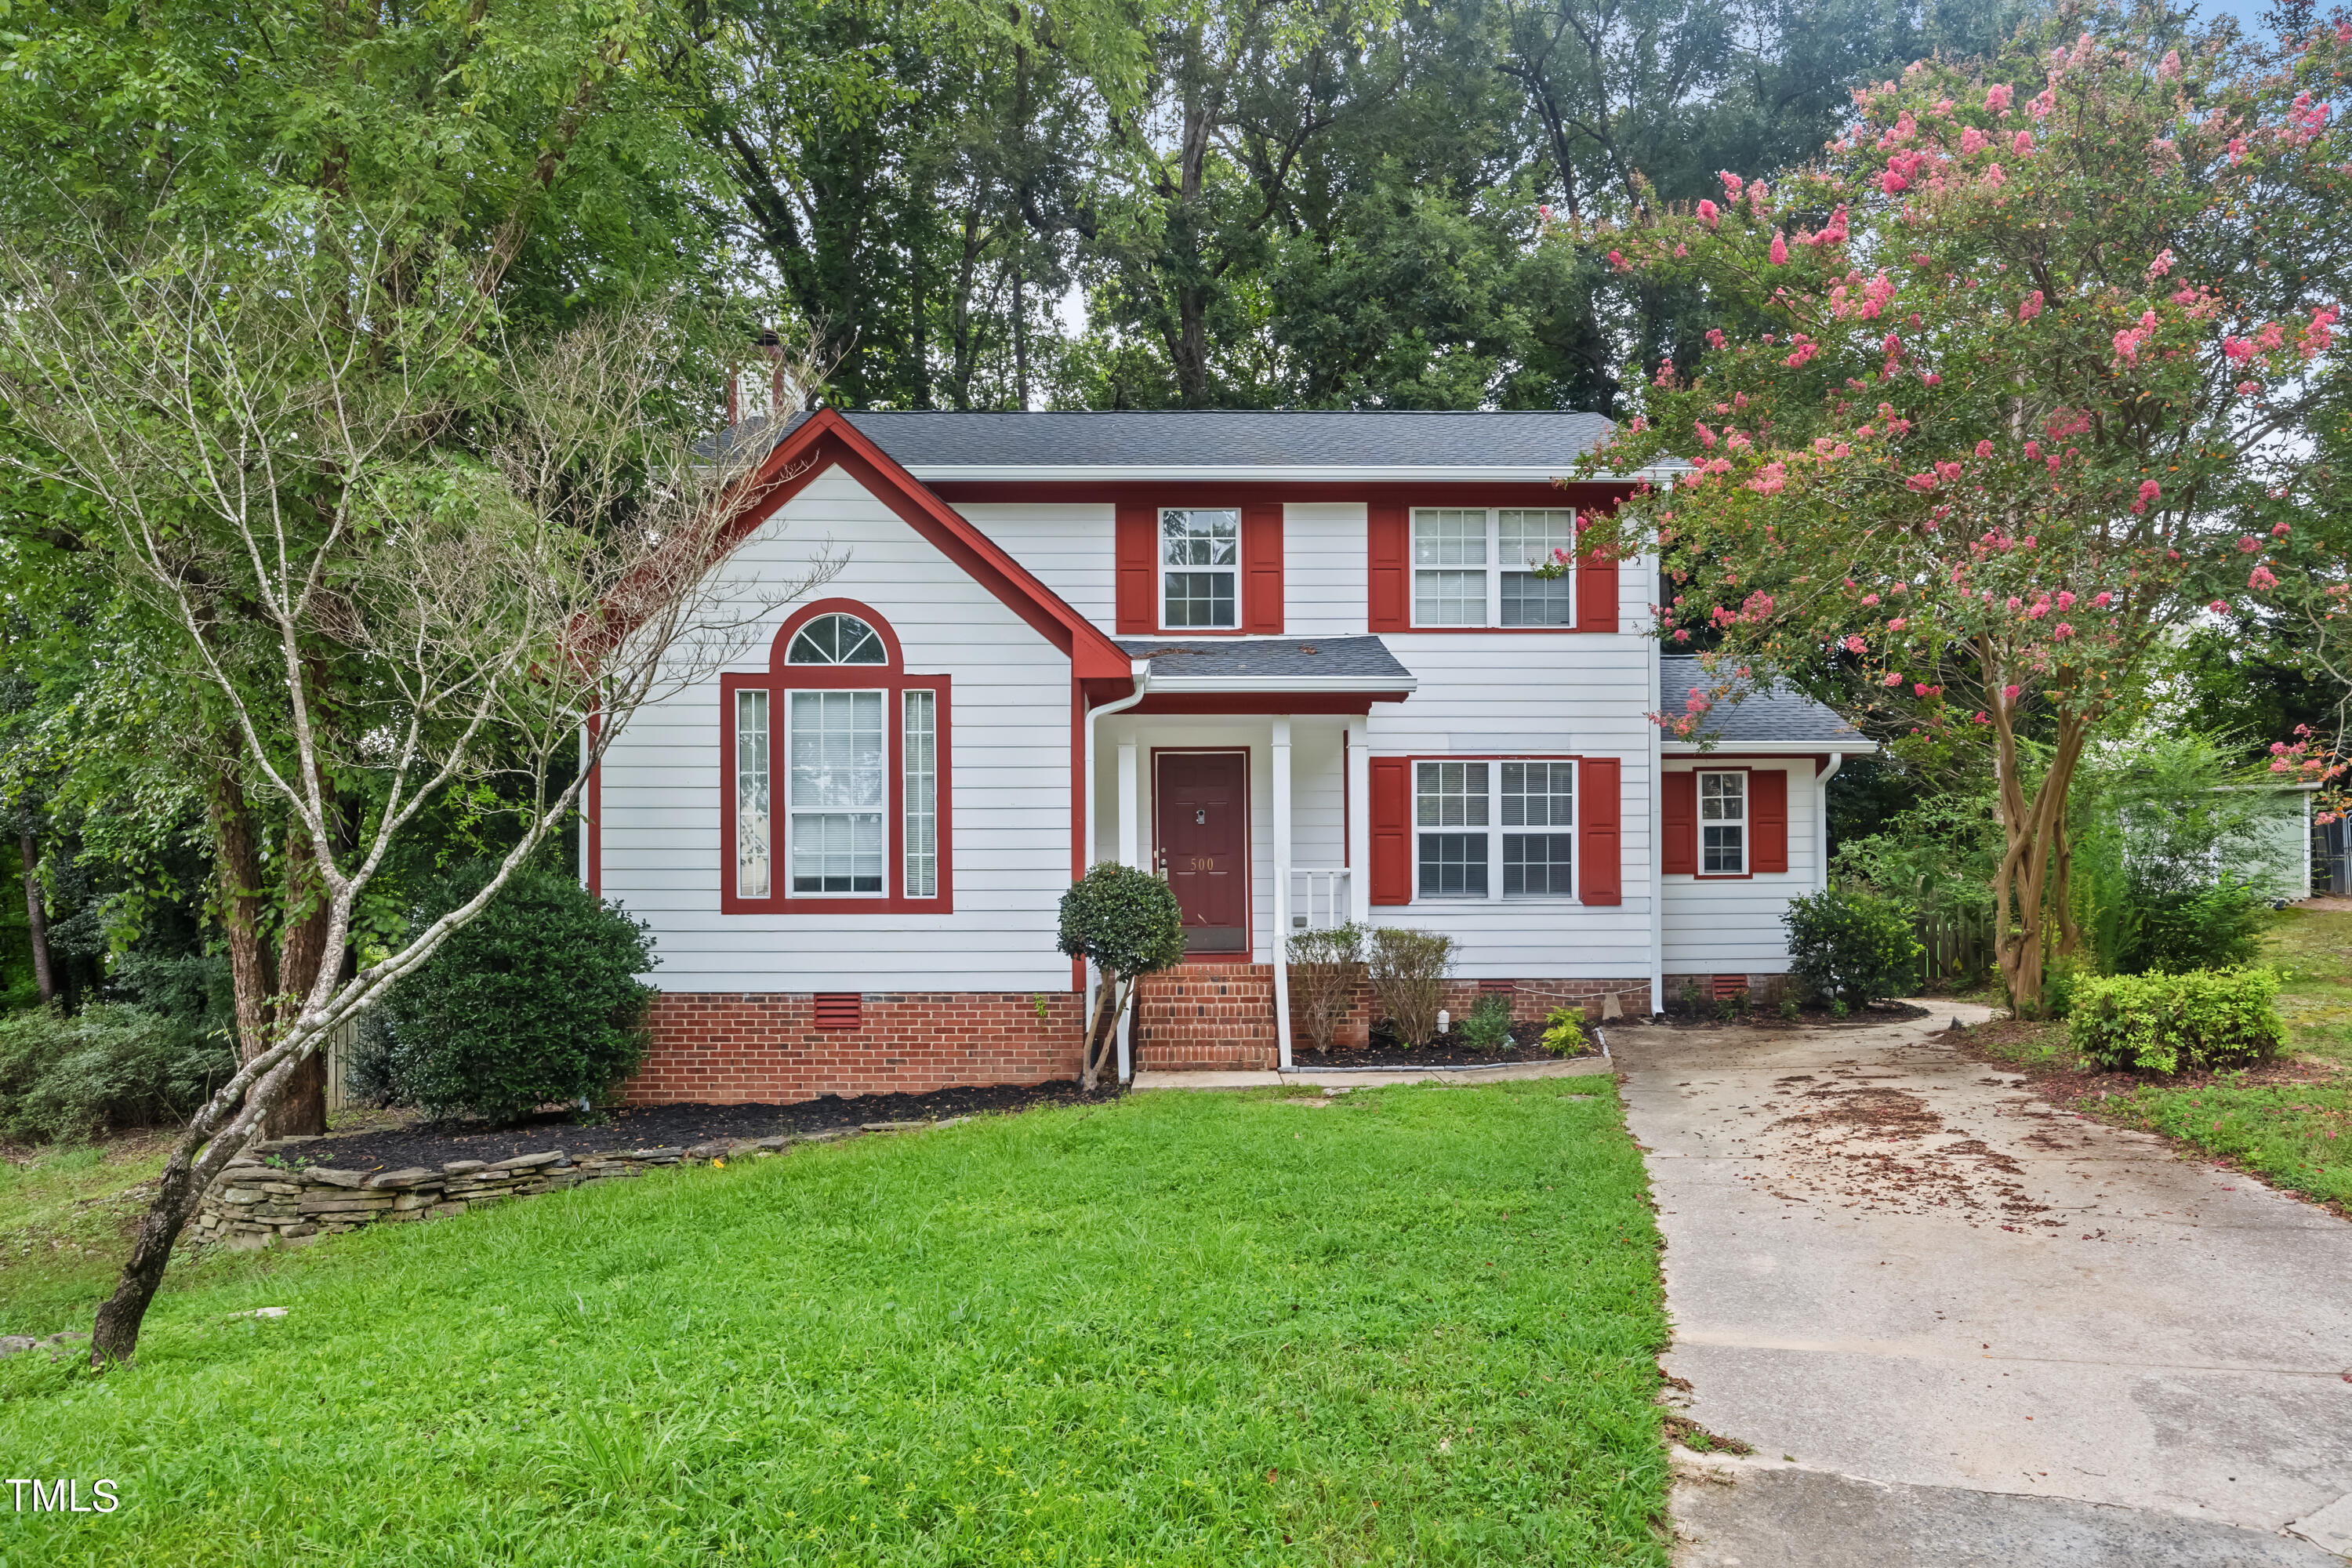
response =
{"points": [[2035, 346], [1126, 925], [398, 553]]}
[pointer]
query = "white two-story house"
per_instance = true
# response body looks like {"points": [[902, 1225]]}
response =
{"points": [[1296, 662]]}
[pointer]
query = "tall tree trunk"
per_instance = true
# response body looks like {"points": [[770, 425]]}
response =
{"points": [[302, 1110], [236, 840], [37, 918], [2034, 830]]}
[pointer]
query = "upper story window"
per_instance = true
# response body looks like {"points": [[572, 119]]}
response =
{"points": [[1200, 568], [1722, 825], [837, 759], [1472, 567], [1472, 817]]}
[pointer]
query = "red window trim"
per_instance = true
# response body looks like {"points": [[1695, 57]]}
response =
{"points": [[780, 678], [1258, 562], [1593, 593], [1247, 954]]}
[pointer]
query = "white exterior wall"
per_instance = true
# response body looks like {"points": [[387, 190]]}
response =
{"points": [[1718, 925], [1326, 590], [1067, 546], [1009, 774]]}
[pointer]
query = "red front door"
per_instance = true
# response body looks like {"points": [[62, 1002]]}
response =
{"points": [[1202, 800]]}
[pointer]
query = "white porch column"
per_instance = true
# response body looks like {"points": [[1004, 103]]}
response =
{"points": [[1359, 821], [1281, 954], [1129, 836]]}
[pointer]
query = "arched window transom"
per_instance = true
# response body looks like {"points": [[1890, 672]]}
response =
{"points": [[836, 639]]}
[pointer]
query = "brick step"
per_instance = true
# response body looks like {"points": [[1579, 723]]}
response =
{"points": [[1206, 1017]]}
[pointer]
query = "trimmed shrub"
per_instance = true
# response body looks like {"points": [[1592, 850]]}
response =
{"points": [[535, 1001], [2200, 1021], [1325, 967], [1852, 946], [1488, 1027], [65, 1077], [1408, 971], [1127, 924], [1564, 1032]]}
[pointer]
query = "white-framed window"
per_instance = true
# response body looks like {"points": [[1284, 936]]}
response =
{"points": [[1471, 819], [1200, 568], [1472, 567], [1722, 825], [920, 750], [751, 821], [837, 791]]}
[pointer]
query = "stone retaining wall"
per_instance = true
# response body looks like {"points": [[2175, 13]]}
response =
{"points": [[253, 1205]]}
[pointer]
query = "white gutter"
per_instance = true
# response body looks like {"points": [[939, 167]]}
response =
{"points": [[1822, 819], [1250, 685], [1233, 474], [1141, 668]]}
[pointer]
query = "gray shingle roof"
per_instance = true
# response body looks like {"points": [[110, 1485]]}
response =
{"points": [[1233, 439], [1364, 659], [1776, 714]]}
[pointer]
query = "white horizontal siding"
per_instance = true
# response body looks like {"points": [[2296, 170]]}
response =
{"points": [[1070, 547], [1324, 569], [1009, 770], [1732, 926]]}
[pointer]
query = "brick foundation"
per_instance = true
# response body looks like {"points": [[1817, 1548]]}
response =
{"points": [[1206, 1017], [1531, 1002], [765, 1047]]}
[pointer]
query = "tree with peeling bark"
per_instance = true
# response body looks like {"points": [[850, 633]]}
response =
{"points": [[320, 451], [2047, 340]]}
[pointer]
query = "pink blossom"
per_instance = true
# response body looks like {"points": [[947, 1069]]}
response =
{"points": [[1894, 678], [1682, 633], [2103, 601], [1980, 718], [2238, 348], [2261, 580], [1855, 645], [2168, 67], [2150, 489], [2248, 388], [2035, 612], [2023, 143], [2237, 149], [1997, 97], [1715, 337], [1920, 688], [1709, 214], [1893, 184], [2219, 606], [2316, 337], [2015, 603], [2029, 307], [1617, 260], [2279, 531], [1696, 703], [2010, 692], [2066, 598], [2062, 630], [1973, 142], [1984, 448], [1705, 435], [1780, 249], [1868, 600], [2044, 102], [1772, 480], [1921, 481], [1732, 185], [1895, 625], [2248, 543], [2161, 265]]}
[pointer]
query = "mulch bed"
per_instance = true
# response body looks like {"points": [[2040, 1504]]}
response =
{"points": [[433, 1145], [1447, 1050], [2071, 1086]]}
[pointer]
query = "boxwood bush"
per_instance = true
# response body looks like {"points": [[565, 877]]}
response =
{"points": [[2199, 1021], [1853, 946], [535, 1001]]}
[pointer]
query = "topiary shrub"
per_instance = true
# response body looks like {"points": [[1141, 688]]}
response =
{"points": [[535, 1001], [1324, 967], [1127, 924], [1852, 947], [70, 1076], [1408, 971], [2200, 1021]]}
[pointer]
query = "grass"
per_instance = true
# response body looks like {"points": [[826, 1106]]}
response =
{"points": [[2290, 1124], [65, 1217], [1411, 1325]]}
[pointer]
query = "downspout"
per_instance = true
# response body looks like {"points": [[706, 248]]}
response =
{"points": [[1821, 820], [1141, 668]]}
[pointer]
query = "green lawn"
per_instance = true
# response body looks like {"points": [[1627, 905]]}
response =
{"points": [[1412, 1325], [2296, 1135]]}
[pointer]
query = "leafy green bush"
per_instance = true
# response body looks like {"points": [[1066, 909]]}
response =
{"points": [[1325, 967], [536, 1001], [1127, 924], [1852, 946], [1563, 1033], [64, 1076], [2174, 932], [1408, 971], [2199, 1021], [1488, 1027]]}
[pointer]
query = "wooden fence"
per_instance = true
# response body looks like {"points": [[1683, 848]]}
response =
{"points": [[1955, 947]]}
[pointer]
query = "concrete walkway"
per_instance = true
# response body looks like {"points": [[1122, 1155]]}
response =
{"points": [[1375, 1077], [1960, 1327]]}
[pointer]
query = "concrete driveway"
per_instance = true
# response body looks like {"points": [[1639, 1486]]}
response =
{"points": [[1960, 1327]]}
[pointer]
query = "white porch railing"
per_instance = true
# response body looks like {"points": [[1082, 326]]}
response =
{"points": [[1318, 897]]}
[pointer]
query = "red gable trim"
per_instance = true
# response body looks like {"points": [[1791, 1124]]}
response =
{"points": [[825, 440]]}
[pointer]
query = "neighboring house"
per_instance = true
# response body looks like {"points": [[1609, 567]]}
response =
{"points": [[1294, 662]]}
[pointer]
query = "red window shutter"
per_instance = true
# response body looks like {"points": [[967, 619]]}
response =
{"points": [[1388, 569], [1596, 594], [1138, 577], [1392, 830], [1600, 871], [1678, 823], [1262, 568], [839, 1010], [1767, 820]]}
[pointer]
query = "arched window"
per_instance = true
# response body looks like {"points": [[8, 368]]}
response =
{"points": [[836, 777]]}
